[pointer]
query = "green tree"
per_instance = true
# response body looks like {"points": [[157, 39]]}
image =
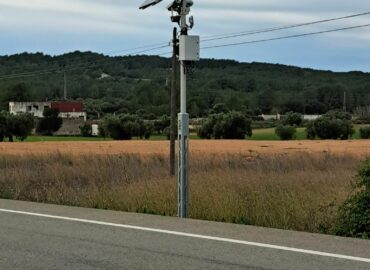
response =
{"points": [[331, 126], [365, 133], [22, 126], [233, 125], [220, 108], [207, 128], [293, 119], [161, 124], [4, 117], [18, 92], [50, 123], [266, 101], [125, 127], [236, 126], [286, 133], [354, 215], [115, 129]]}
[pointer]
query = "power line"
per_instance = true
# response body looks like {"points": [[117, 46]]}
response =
{"points": [[279, 38], [64, 69], [267, 30], [162, 45], [155, 46], [286, 37]]}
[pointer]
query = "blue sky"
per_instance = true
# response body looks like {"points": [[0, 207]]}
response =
{"points": [[60, 26]]}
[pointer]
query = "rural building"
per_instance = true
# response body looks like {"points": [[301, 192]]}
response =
{"points": [[72, 113], [271, 117], [67, 109], [35, 108], [279, 117]]}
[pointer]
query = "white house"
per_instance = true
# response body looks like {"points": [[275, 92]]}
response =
{"points": [[67, 109]]}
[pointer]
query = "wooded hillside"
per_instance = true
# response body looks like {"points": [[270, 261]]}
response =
{"points": [[141, 84]]}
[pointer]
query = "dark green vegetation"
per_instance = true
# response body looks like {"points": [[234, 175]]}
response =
{"points": [[286, 133], [19, 126], [331, 126], [354, 220], [125, 127], [50, 123], [293, 119], [232, 125], [363, 120], [365, 133], [140, 84]]}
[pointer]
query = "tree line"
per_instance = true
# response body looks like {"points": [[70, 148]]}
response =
{"points": [[140, 85], [22, 125]]}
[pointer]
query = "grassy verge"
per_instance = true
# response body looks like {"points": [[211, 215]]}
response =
{"points": [[267, 134], [298, 192]]}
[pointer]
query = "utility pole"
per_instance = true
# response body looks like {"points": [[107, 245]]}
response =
{"points": [[65, 86], [183, 128], [173, 129], [188, 52], [345, 101]]}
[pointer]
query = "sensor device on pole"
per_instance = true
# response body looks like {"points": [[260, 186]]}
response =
{"points": [[189, 48]]}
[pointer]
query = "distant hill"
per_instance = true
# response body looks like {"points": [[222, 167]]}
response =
{"points": [[141, 83]]}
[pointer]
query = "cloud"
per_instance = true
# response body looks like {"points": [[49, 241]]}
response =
{"points": [[114, 24]]}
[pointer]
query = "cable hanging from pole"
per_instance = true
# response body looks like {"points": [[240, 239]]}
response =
{"points": [[157, 46], [287, 37], [279, 28]]}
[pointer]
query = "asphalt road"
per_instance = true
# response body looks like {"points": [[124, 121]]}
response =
{"points": [[38, 236]]}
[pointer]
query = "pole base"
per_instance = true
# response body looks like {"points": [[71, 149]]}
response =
{"points": [[183, 165]]}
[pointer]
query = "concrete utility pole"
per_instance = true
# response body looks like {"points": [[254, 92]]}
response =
{"points": [[173, 129], [183, 128]]}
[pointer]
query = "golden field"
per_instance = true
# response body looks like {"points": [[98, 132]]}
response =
{"points": [[288, 185], [355, 147]]}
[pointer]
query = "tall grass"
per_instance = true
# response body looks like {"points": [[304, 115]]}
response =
{"points": [[298, 191]]}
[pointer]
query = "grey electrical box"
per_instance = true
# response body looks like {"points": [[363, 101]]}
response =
{"points": [[189, 48]]}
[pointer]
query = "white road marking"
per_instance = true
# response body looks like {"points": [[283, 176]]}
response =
{"points": [[198, 236]]}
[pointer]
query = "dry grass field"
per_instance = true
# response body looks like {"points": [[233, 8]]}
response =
{"points": [[288, 185], [356, 147]]}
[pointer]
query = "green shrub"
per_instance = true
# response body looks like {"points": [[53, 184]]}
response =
{"points": [[125, 127], [161, 124], [50, 123], [286, 133], [354, 215], [4, 130], [115, 130], [365, 133], [231, 126], [331, 126], [20, 125], [293, 119], [23, 124], [236, 126]]}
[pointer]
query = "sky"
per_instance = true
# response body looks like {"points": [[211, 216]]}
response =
{"points": [[112, 26]]}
